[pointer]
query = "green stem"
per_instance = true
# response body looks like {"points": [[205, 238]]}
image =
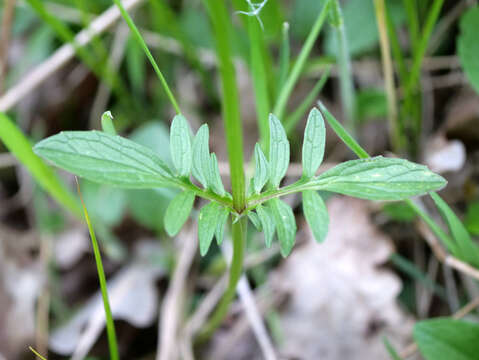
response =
{"points": [[419, 53], [388, 73], [260, 83], [150, 57], [348, 97], [230, 108], [230, 105], [110, 326], [412, 17], [236, 269], [283, 97]]}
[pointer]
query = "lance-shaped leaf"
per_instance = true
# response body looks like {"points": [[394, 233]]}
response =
{"points": [[208, 220], [380, 178], [220, 228], [201, 156], [261, 174], [469, 250], [107, 159], [285, 225], [316, 214], [445, 339], [267, 223], [178, 211], [253, 217], [313, 143], [215, 182], [278, 151], [180, 145]]}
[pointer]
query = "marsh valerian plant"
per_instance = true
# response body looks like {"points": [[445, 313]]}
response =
{"points": [[107, 158], [114, 160]]}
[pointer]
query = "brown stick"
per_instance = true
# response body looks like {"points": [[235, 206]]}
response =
{"points": [[173, 302], [64, 54], [5, 33]]}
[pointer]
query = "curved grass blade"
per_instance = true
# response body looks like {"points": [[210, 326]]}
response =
{"points": [[110, 326], [20, 147]]}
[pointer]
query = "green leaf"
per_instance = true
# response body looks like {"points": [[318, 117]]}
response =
{"points": [[316, 214], [180, 145], [155, 136], [267, 224], [201, 156], [107, 159], [468, 46], [148, 206], [278, 151], [342, 133], [220, 228], [371, 104], [107, 123], [96, 196], [215, 182], [261, 174], [392, 352], [380, 178], [447, 339], [178, 212], [208, 220], [285, 225], [472, 218], [468, 249], [20, 147], [313, 144], [361, 26], [253, 217]]}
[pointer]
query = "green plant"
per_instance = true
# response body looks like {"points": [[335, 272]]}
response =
{"points": [[111, 159], [114, 160]]}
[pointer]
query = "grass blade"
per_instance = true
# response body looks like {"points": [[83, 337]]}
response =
{"points": [[468, 249], [36, 353], [342, 133], [110, 326], [150, 57], [20, 147], [291, 120], [300, 62]]}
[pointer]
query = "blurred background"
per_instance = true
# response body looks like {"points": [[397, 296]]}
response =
{"points": [[380, 269]]}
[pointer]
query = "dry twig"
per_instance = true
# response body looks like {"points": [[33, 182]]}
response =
{"points": [[60, 58], [173, 303]]}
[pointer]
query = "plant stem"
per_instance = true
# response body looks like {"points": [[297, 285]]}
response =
{"points": [[388, 71], [234, 139], [260, 83], [348, 98], [412, 83], [236, 269], [148, 54], [412, 16], [110, 326], [283, 97], [230, 104]]}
